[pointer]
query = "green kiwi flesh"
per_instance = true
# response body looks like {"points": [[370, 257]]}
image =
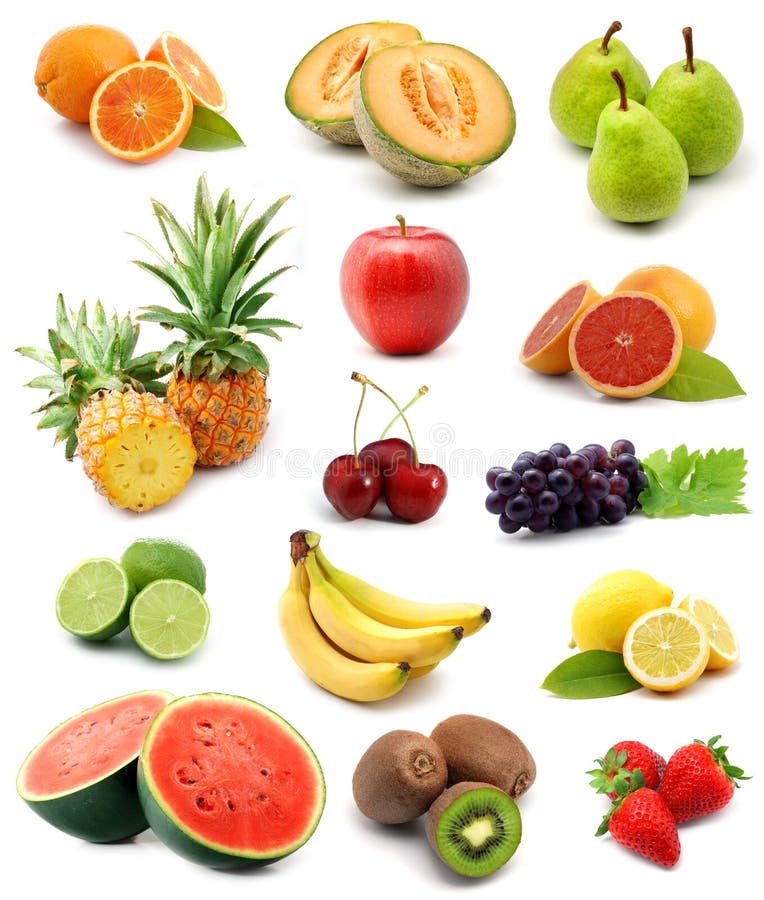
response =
{"points": [[474, 828]]}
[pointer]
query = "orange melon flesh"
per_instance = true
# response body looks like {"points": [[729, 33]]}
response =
{"points": [[320, 90], [626, 345]]}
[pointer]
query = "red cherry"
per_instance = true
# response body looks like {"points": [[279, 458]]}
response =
{"points": [[388, 454], [415, 493], [352, 486]]}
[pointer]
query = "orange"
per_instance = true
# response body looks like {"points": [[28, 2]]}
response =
{"points": [[200, 81], [75, 61], [689, 300], [627, 344], [546, 347], [141, 112]]}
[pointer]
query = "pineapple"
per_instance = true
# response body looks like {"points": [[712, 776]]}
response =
{"points": [[218, 386], [104, 405]]}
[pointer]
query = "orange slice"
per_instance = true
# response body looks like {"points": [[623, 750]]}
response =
{"points": [[197, 75], [626, 345], [141, 112], [546, 347]]}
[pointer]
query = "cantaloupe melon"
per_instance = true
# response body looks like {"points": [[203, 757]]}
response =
{"points": [[320, 91], [432, 114]]}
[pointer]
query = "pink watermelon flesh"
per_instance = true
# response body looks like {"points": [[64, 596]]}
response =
{"points": [[234, 774], [90, 746]]}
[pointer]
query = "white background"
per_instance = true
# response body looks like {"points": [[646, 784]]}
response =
{"points": [[528, 231]]}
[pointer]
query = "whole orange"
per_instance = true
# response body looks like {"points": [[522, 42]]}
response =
{"points": [[75, 61], [689, 301]]}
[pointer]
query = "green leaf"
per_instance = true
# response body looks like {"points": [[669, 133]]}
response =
{"points": [[593, 673], [210, 131], [700, 377], [692, 484]]}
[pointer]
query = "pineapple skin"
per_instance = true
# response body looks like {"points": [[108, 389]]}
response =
{"points": [[227, 418], [102, 427]]}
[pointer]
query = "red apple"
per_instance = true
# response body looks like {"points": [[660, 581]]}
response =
{"points": [[405, 288]]}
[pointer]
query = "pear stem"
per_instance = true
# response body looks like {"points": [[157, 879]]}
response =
{"points": [[355, 425], [402, 223], [603, 48], [362, 379], [420, 393], [690, 64], [618, 79]]}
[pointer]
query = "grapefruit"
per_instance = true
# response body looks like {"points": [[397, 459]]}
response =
{"points": [[196, 74], [689, 301], [546, 347], [627, 344]]}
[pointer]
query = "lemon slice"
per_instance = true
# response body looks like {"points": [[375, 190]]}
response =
{"points": [[666, 649], [724, 646]]}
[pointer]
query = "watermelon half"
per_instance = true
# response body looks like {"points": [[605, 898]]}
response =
{"points": [[226, 782], [82, 777]]}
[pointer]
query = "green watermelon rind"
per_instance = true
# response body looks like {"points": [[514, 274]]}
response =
{"points": [[105, 810], [180, 838]]}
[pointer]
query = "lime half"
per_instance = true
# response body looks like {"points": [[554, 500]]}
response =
{"points": [[153, 559], [169, 619], [93, 601]]}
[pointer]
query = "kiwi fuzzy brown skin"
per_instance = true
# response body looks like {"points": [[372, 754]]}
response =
{"points": [[479, 749], [399, 776]]}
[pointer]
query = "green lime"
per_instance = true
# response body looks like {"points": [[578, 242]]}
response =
{"points": [[153, 559], [93, 601], [169, 619]]}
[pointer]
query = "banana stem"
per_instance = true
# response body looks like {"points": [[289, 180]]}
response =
{"points": [[420, 393], [362, 379]]}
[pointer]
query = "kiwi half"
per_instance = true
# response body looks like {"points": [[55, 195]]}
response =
{"points": [[474, 828]]}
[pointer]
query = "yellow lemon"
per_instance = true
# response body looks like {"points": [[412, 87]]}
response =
{"points": [[605, 610], [666, 649], [724, 647]]}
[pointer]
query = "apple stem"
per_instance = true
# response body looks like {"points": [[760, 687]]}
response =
{"points": [[603, 48], [420, 393], [355, 425], [690, 64], [618, 79], [402, 223], [362, 379]]}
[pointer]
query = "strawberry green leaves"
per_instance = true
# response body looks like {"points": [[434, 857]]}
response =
{"points": [[693, 484]]}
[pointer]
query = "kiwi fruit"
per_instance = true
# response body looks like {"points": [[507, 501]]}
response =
{"points": [[399, 776], [479, 749], [474, 827]]}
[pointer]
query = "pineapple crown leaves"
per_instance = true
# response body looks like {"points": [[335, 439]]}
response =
{"points": [[623, 787], [210, 265], [719, 755], [86, 357]]}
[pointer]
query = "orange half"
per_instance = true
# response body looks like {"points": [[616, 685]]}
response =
{"points": [[202, 84], [546, 347], [626, 345], [141, 112]]}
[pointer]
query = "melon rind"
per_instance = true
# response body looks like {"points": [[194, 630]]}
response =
{"points": [[415, 168], [103, 811], [179, 838]]}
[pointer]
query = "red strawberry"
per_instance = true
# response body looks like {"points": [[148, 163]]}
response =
{"points": [[622, 759], [699, 780], [640, 821]]}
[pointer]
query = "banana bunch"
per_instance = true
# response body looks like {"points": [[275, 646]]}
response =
{"points": [[356, 640]]}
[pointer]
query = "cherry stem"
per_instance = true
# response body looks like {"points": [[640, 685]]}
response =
{"points": [[420, 393], [603, 48], [690, 64], [362, 379], [355, 425], [402, 223], [618, 79]]}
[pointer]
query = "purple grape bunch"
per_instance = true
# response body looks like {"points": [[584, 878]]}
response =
{"points": [[558, 490]]}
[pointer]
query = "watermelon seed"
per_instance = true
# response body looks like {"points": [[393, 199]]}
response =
{"points": [[231, 805], [265, 772], [204, 724], [262, 797]]}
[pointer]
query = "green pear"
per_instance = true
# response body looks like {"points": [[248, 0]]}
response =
{"points": [[583, 86], [697, 105], [637, 170]]}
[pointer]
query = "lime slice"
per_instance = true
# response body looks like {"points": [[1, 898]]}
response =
{"points": [[169, 619], [154, 559], [93, 601]]}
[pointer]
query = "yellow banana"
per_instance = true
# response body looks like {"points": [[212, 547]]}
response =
{"points": [[366, 638], [398, 612], [421, 671], [330, 669]]}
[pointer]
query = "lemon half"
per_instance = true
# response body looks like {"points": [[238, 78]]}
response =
{"points": [[666, 649], [724, 646]]}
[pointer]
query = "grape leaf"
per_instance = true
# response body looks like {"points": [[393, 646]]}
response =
{"points": [[593, 673], [700, 377], [210, 131], [692, 484]]}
